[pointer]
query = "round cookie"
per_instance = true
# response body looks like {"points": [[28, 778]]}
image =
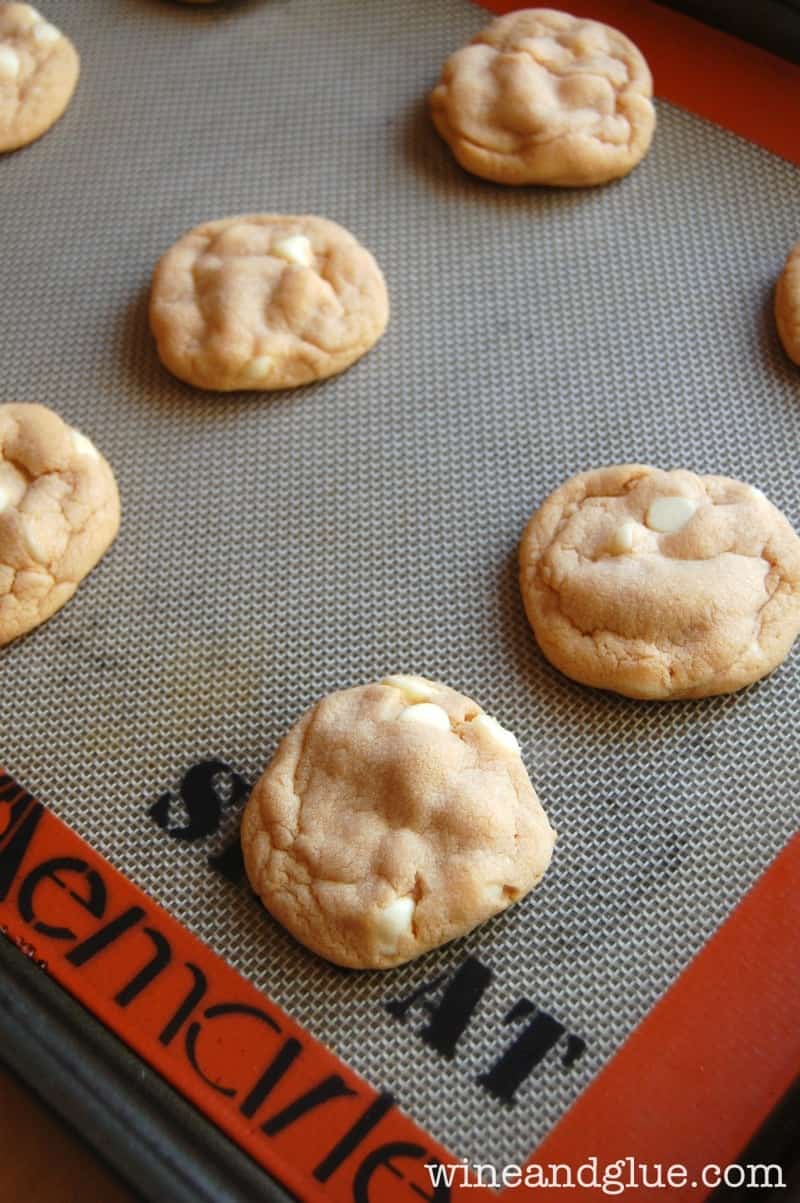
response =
{"points": [[542, 97], [39, 69], [266, 302], [392, 818], [59, 513], [661, 584], [787, 304]]}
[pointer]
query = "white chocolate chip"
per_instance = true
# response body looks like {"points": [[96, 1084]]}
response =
{"points": [[259, 367], [428, 713], [12, 486], [621, 541], [499, 735], [393, 922], [83, 446], [35, 546], [670, 514], [756, 493], [413, 688], [9, 63], [493, 893], [294, 249], [500, 895], [46, 34]]}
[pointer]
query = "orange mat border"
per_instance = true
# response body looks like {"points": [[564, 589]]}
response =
{"points": [[707, 1065], [96, 934]]}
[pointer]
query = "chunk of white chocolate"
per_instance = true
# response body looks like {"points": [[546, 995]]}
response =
{"points": [[621, 541], [9, 63], [260, 367], [295, 249], [37, 549], [493, 730], [46, 34], [428, 713], [12, 486], [393, 922], [414, 689], [494, 895], [83, 446], [669, 514]]}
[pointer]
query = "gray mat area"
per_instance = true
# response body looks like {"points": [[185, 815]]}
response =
{"points": [[276, 547]]}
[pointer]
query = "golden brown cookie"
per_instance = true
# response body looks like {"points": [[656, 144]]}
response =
{"points": [[787, 304], [541, 97], [59, 513], [661, 584], [266, 302], [39, 69], [392, 818]]}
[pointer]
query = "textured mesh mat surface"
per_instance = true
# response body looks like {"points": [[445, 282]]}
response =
{"points": [[277, 547]]}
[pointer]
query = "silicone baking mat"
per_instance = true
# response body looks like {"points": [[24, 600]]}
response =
{"points": [[276, 547]]}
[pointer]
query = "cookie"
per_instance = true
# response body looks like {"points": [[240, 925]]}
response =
{"points": [[392, 818], [266, 302], [661, 584], [541, 97], [787, 304], [59, 513], [39, 70]]}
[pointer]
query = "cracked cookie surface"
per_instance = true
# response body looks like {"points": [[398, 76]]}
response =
{"points": [[542, 97], [39, 70], [393, 817], [59, 513], [266, 302], [661, 584], [787, 304]]}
